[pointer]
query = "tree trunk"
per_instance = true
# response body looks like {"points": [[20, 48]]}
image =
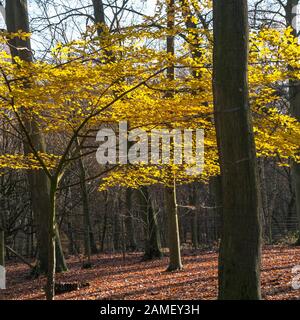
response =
{"points": [[72, 246], [215, 189], [104, 227], [240, 250], [295, 110], [152, 237], [170, 193], [50, 286], [194, 217], [99, 15], [89, 241], [61, 264], [173, 229], [17, 19], [129, 225], [117, 226]]}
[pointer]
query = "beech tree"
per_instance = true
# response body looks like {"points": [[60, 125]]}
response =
{"points": [[152, 236], [107, 76], [171, 207], [239, 261], [294, 93], [17, 19]]}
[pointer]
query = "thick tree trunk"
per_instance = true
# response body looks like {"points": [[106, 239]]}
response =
{"points": [[152, 237], [295, 110], [153, 249], [17, 19], [296, 182], [99, 15], [215, 190], [240, 251]]}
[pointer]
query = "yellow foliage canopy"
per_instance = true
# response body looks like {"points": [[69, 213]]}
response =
{"points": [[93, 81]]}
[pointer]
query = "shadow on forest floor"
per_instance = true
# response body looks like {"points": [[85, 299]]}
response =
{"points": [[114, 278]]}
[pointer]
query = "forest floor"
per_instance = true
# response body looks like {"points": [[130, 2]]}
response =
{"points": [[113, 278]]}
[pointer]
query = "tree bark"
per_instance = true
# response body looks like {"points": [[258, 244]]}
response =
{"points": [[50, 286], [99, 15], [152, 237], [129, 225], [170, 193], [89, 240], [60, 261], [173, 229], [194, 217], [105, 222], [240, 250], [117, 225], [295, 111], [215, 190], [17, 19]]}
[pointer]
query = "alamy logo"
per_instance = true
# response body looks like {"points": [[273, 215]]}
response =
{"points": [[157, 147], [2, 278], [296, 20], [296, 278]]}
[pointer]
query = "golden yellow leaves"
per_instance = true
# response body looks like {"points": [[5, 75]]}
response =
{"points": [[5, 36], [92, 73], [28, 162]]}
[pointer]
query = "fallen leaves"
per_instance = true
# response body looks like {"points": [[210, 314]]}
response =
{"points": [[113, 278]]}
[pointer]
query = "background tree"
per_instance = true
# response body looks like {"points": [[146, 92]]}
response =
{"points": [[171, 207], [17, 19]]}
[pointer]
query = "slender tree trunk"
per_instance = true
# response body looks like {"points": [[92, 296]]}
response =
{"points": [[104, 228], [240, 251], [194, 217], [194, 229], [170, 193], [50, 286], [117, 226], [89, 240], [265, 212], [129, 225], [17, 19], [123, 238], [173, 229], [295, 110], [72, 246]]}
